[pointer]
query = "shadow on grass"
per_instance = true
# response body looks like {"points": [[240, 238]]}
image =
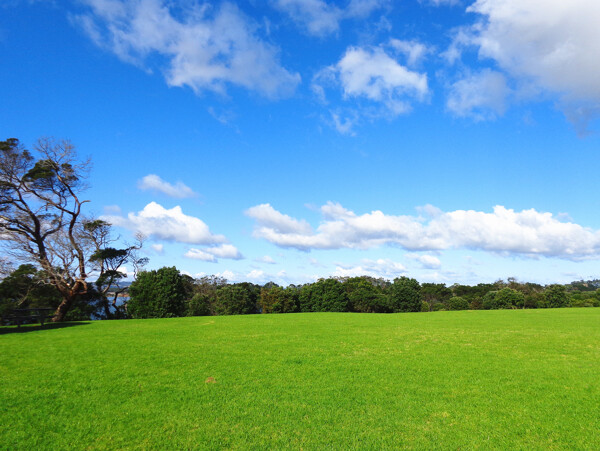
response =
{"points": [[37, 327]]}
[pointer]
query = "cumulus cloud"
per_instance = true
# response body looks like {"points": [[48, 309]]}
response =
{"points": [[153, 182], [553, 44], [266, 259], [204, 48], [371, 75], [158, 222], [480, 96], [414, 51], [385, 268], [505, 231], [212, 254], [320, 18], [426, 260]]}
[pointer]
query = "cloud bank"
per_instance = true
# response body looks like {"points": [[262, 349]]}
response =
{"points": [[527, 233]]}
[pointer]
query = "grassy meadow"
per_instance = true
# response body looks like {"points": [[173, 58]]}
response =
{"points": [[446, 380]]}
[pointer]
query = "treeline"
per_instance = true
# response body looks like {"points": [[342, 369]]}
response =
{"points": [[166, 292]]}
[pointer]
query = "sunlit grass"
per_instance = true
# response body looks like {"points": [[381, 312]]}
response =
{"points": [[447, 380]]}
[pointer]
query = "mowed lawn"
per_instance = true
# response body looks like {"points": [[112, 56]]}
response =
{"points": [[445, 380]]}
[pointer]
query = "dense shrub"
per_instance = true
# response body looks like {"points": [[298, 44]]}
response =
{"points": [[405, 295], [556, 296], [457, 303], [238, 299], [275, 299], [200, 305], [157, 294], [364, 297], [506, 298]]}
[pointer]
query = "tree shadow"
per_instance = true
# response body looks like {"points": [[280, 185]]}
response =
{"points": [[25, 328]]}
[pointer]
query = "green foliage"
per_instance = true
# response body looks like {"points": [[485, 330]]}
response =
{"points": [[474, 294], [26, 287], [305, 298], [329, 295], [506, 298], [199, 305], [157, 294], [457, 303], [364, 297], [237, 299], [556, 296], [405, 295], [275, 299]]}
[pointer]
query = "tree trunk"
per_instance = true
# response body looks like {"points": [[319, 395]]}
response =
{"points": [[61, 311]]}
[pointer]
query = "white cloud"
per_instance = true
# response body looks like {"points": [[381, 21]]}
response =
{"points": [[204, 48], [370, 75], [552, 44], [373, 74], [266, 259], [155, 221], [385, 268], [442, 2], [277, 221], [413, 50], [212, 254], [158, 248], [155, 183], [480, 96], [320, 18], [526, 233], [256, 275], [428, 261]]}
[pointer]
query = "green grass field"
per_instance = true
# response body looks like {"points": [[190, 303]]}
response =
{"points": [[446, 380]]}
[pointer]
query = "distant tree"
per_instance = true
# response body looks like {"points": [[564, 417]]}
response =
{"points": [[275, 299], [556, 296], [457, 303], [200, 305], [158, 294], [405, 295], [506, 298], [329, 295], [306, 300], [237, 299], [364, 296], [203, 298], [26, 287], [435, 293]]}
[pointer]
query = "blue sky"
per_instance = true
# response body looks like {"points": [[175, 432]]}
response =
{"points": [[286, 140]]}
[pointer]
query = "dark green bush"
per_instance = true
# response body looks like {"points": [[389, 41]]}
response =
{"points": [[457, 303], [157, 294]]}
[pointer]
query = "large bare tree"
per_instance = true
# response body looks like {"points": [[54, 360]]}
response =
{"points": [[41, 218]]}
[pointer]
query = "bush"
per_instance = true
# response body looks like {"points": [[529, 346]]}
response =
{"points": [[199, 305], [157, 294], [237, 299], [364, 297], [438, 307], [457, 303], [556, 296], [405, 295]]}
